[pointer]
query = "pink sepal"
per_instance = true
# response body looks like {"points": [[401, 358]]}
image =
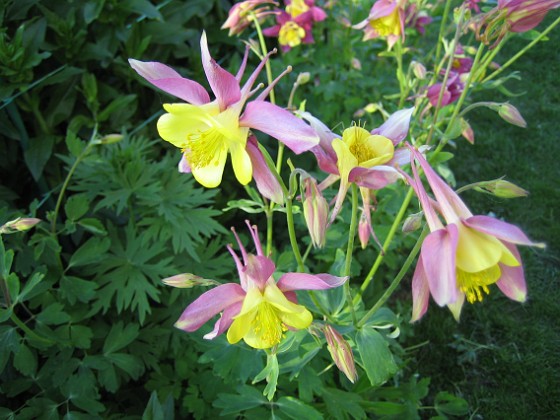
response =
{"points": [[303, 281], [210, 303]]}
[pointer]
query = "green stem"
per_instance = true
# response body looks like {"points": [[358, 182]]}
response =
{"points": [[5, 292], [386, 244], [31, 334], [446, 76], [264, 51], [68, 177], [461, 99], [269, 213], [292, 233], [289, 208], [523, 51], [440, 36], [350, 249], [396, 281]]}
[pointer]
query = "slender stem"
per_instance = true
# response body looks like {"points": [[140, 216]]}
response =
{"points": [[262, 44], [68, 177], [289, 209], [31, 334], [350, 249], [446, 76], [386, 244], [441, 33], [523, 51], [268, 213], [396, 281], [5, 292], [461, 99], [292, 234]]}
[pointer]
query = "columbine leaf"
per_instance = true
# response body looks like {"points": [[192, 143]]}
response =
{"points": [[375, 355]]}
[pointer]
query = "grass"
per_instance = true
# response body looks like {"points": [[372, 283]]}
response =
{"points": [[503, 356]]}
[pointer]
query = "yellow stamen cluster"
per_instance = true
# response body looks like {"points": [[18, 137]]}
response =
{"points": [[291, 34], [387, 25], [297, 7], [203, 146], [473, 284], [267, 325]]}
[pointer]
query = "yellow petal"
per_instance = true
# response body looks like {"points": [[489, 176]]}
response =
{"points": [[183, 120], [292, 314], [210, 175], [345, 160], [243, 321], [477, 251], [241, 162], [381, 148]]}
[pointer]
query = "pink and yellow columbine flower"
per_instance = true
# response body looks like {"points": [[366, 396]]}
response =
{"points": [[512, 16], [206, 131], [258, 310], [385, 20], [360, 156], [294, 25], [451, 91], [241, 14], [463, 258]]}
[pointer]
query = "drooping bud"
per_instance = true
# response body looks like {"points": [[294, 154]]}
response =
{"points": [[356, 64], [510, 113], [315, 211], [187, 280], [19, 225], [364, 230], [468, 132], [267, 184], [413, 222], [341, 353], [418, 69]]}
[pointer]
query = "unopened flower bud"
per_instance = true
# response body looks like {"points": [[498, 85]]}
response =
{"points": [[356, 64], [413, 222], [111, 138], [19, 225], [341, 353], [504, 189], [510, 113], [187, 280], [315, 212], [363, 230], [267, 184], [467, 132], [303, 78], [418, 69], [371, 108]]}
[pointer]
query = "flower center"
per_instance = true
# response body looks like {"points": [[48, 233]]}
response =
{"points": [[472, 284], [202, 147], [291, 34], [297, 7], [387, 25], [267, 325], [368, 149]]}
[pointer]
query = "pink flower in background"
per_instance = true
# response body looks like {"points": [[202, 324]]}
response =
{"points": [[239, 16], [512, 16], [294, 25], [207, 131], [467, 255], [524, 15], [385, 20], [417, 19], [451, 91], [258, 310]]}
